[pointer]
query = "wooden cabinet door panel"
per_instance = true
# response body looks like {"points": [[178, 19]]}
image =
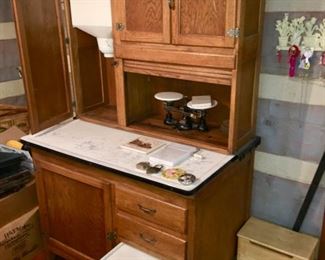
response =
{"points": [[75, 214], [144, 20], [42, 52], [204, 22]]}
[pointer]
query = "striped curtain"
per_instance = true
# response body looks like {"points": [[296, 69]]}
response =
{"points": [[12, 99], [11, 86]]}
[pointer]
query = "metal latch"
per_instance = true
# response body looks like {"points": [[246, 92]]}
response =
{"points": [[111, 236], [119, 26], [234, 32]]}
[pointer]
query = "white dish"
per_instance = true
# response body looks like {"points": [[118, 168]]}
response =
{"points": [[168, 96], [202, 107]]}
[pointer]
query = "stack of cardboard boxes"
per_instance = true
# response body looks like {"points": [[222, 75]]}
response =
{"points": [[20, 236]]}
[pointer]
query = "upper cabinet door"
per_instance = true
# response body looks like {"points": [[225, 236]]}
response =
{"points": [[143, 20], [204, 22], [43, 57]]}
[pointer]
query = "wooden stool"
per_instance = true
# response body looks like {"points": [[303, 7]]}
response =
{"points": [[258, 240]]}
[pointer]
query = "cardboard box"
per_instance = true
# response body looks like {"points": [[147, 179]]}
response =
{"points": [[21, 238], [13, 133], [18, 203], [20, 235]]}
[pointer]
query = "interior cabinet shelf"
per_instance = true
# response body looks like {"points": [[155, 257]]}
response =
{"points": [[214, 139], [106, 115]]}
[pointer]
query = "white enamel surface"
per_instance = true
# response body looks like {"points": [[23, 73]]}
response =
{"points": [[214, 103], [125, 252], [101, 145], [94, 17], [91, 13], [168, 96]]}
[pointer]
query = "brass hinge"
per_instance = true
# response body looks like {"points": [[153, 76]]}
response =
{"points": [[171, 4], [74, 108], [119, 27], [112, 236], [19, 70], [233, 33]]}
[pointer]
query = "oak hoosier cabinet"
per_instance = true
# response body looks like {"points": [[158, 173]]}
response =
{"points": [[188, 46]]}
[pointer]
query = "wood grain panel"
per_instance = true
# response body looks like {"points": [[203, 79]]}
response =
{"points": [[144, 15], [91, 86], [156, 211], [204, 23], [204, 17], [136, 52], [75, 213], [143, 20], [230, 192], [199, 74], [149, 238], [42, 52]]}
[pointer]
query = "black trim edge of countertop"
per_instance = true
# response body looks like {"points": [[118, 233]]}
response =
{"points": [[239, 155]]}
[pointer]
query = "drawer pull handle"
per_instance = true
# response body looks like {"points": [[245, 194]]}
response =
{"points": [[147, 210], [147, 239], [270, 249]]}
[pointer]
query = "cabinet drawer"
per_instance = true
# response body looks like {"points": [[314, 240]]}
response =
{"points": [[150, 238], [151, 209]]}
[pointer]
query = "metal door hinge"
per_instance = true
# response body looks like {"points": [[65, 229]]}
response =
{"points": [[19, 70], [112, 236], [171, 4], [74, 109], [115, 63], [234, 32], [119, 26]]}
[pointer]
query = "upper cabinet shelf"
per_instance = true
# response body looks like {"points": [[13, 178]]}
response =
{"points": [[178, 22]]}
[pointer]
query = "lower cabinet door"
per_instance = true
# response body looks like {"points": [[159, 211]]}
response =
{"points": [[74, 216]]}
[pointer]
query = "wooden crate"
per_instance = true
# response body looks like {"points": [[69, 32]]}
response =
{"points": [[262, 240]]}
